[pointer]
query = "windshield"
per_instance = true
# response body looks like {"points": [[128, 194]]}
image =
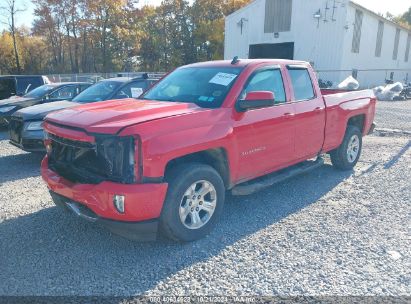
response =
{"points": [[98, 92], [205, 86], [40, 91]]}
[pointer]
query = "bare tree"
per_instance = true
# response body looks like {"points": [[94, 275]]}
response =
{"points": [[9, 11]]}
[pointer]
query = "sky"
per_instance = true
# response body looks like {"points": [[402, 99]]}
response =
{"points": [[395, 7]]}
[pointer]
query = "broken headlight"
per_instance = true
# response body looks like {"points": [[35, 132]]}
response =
{"points": [[115, 157]]}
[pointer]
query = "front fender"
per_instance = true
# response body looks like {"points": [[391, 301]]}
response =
{"points": [[166, 139], [160, 150]]}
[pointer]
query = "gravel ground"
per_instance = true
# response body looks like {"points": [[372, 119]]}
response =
{"points": [[323, 233], [394, 114]]}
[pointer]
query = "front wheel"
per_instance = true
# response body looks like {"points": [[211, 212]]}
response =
{"points": [[346, 156], [194, 202]]}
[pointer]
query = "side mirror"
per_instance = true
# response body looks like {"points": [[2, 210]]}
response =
{"points": [[47, 97], [256, 100]]}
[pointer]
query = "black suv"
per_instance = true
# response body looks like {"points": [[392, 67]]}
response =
{"points": [[18, 85], [26, 125], [44, 94]]}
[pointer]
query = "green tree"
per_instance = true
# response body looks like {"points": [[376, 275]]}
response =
{"points": [[10, 10], [406, 17]]}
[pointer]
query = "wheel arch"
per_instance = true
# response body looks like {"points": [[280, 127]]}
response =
{"points": [[216, 158], [357, 121]]}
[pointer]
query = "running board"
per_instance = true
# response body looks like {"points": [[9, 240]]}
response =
{"points": [[273, 178]]}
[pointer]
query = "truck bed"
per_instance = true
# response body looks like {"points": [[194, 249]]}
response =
{"points": [[340, 107]]}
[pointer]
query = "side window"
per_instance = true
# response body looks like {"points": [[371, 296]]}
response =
{"points": [[64, 93], [7, 87], [302, 84], [267, 80], [132, 90], [83, 87]]}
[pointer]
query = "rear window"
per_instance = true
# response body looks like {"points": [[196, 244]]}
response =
{"points": [[302, 84], [26, 84]]}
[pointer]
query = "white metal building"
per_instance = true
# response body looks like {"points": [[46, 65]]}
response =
{"points": [[334, 35]]}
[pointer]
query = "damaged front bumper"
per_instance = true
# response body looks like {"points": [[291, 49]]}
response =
{"points": [[94, 202], [139, 231]]}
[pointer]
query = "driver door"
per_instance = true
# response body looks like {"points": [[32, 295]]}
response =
{"points": [[265, 137], [64, 93]]}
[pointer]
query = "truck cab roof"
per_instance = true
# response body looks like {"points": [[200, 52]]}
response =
{"points": [[245, 62]]}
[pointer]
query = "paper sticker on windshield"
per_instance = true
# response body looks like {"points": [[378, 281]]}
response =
{"points": [[223, 78], [206, 99], [136, 92]]}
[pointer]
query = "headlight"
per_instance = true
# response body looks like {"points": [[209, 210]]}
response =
{"points": [[35, 125], [6, 109], [116, 157]]}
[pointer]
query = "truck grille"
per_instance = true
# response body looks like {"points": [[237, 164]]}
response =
{"points": [[110, 158], [16, 125]]}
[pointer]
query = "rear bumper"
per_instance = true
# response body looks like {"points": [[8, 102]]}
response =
{"points": [[143, 202]]}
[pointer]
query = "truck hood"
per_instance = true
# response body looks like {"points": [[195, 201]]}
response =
{"points": [[38, 112], [110, 117]]}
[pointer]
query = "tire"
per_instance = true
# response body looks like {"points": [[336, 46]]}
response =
{"points": [[180, 202], [341, 158]]}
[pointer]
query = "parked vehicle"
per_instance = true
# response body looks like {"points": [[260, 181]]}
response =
{"points": [[42, 95], [167, 159], [406, 91], [19, 85], [26, 125]]}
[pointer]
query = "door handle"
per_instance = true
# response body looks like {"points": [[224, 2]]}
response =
{"points": [[288, 115], [317, 109]]}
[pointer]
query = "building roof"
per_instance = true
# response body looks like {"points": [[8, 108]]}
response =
{"points": [[380, 17], [351, 2]]}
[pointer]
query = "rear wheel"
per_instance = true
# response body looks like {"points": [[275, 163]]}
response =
{"points": [[194, 202], [346, 156]]}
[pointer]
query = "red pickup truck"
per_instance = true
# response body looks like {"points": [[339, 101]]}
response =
{"points": [[165, 161]]}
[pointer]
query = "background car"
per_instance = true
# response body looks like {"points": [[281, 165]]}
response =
{"points": [[19, 85], [43, 94], [26, 125]]}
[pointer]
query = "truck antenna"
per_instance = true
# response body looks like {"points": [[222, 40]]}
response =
{"points": [[235, 60]]}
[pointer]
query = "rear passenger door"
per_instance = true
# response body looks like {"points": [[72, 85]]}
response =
{"points": [[309, 111]]}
